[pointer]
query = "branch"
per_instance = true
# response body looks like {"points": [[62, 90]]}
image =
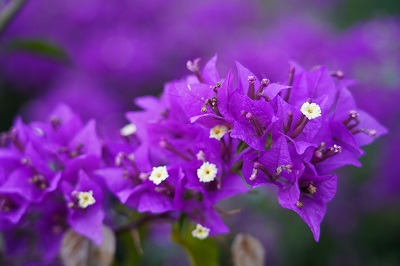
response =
{"points": [[9, 12], [142, 221]]}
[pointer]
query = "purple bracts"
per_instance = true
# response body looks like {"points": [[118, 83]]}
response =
{"points": [[205, 139], [296, 133]]}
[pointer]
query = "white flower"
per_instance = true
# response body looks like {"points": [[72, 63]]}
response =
{"points": [[201, 156], [39, 131], [86, 199], [207, 172], [158, 174], [218, 132], [310, 110], [200, 232], [128, 130]]}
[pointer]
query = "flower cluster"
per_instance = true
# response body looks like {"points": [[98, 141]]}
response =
{"points": [[182, 154], [46, 181], [291, 135]]}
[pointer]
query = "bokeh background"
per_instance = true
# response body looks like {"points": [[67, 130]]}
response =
{"points": [[97, 55]]}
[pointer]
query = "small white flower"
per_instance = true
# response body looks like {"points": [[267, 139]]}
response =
{"points": [[200, 232], [218, 132], [131, 157], [128, 130], [158, 174], [118, 159], [201, 156], [39, 131], [311, 110], [86, 199], [207, 172]]}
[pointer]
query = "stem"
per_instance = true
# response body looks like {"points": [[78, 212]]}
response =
{"points": [[290, 83], [9, 12], [142, 221]]}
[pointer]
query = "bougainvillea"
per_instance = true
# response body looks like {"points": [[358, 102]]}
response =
{"points": [[207, 138]]}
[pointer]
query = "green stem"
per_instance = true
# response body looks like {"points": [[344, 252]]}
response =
{"points": [[199, 252], [143, 220], [9, 12]]}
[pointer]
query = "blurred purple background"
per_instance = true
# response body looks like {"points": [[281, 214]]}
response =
{"points": [[97, 55]]}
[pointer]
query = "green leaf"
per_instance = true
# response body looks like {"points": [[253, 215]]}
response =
{"points": [[38, 47], [269, 141], [126, 253], [241, 147], [200, 252]]}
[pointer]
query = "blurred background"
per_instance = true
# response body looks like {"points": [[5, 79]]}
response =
{"points": [[97, 55]]}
